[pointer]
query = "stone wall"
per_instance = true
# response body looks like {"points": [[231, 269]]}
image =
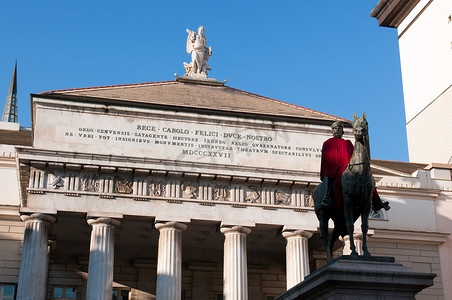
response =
{"points": [[141, 281], [429, 143], [422, 258], [11, 235], [198, 284]]}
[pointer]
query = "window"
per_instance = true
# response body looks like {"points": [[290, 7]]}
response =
{"points": [[378, 215], [7, 291], [62, 293], [120, 294]]}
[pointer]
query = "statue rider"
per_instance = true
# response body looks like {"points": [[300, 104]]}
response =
{"points": [[336, 153]]}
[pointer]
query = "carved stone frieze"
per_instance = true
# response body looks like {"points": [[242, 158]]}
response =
{"points": [[123, 185], [283, 197], [254, 194], [190, 190], [90, 183], [175, 188], [308, 200], [221, 192], [55, 181], [157, 188]]}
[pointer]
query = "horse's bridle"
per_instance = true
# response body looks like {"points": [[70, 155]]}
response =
{"points": [[350, 167]]}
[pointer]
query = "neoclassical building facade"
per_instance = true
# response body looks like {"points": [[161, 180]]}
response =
{"points": [[187, 189]]}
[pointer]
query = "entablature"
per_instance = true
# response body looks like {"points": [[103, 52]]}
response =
{"points": [[65, 174]]}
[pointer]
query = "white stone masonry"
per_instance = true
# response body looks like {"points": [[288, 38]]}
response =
{"points": [[101, 259], [297, 256], [235, 277], [35, 257], [169, 262]]}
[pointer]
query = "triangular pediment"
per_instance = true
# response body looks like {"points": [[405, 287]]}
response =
{"points": [[198, 96]]}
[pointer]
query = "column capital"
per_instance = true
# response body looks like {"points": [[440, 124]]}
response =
{"points": [[288, 233], [38, 217], [170, 224], [104, 222], [235, 228]]}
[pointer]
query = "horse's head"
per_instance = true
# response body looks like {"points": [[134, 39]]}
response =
{"points": [[360, 127]]}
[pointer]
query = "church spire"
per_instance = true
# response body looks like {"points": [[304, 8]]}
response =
{"points": [[10, 111]]}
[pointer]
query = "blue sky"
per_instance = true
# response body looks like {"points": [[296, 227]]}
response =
{"points": [[328, 55]]}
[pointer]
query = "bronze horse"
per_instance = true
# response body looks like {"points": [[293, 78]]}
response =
{"points": [[357, 188]]}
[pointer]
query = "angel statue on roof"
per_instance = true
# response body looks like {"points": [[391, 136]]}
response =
{"points": [[200, 54]]}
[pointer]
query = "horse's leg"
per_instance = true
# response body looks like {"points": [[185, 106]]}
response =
{"points": [[365, 225], [348, 214], [324, 232], [334, 237]]}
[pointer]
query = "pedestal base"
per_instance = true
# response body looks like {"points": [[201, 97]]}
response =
{"points": [[359, 277], [199, 79]]}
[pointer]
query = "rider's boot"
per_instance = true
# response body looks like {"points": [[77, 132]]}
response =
{"points": [[378, 204], [326, 200]]}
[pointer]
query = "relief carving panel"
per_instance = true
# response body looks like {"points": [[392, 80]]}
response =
{"points": [[190, 190], [157, 188], [283, 197], [254, 194], [221, 192], [123, 185], [90, 183]]}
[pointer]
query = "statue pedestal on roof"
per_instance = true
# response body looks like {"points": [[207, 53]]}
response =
{"points": [[359, 277], [199, 79]]}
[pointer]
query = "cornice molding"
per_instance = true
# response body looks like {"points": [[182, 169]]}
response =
{"points": [[402, 236], [390, 13], [77, 161], [9, 211]]}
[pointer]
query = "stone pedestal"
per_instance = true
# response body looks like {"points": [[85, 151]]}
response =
{"points": [[101, 259], [35, 259], [358, 277], [169, 262], [235, 277], [297, 256]]}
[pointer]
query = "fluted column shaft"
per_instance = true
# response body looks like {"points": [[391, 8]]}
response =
{"points": [[34, 264], [297, 256], [169, 262], [235, 271], [101, 259]]}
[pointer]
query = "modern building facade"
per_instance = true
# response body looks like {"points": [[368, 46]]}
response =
{"points": [[424, 31], [188, 189]]}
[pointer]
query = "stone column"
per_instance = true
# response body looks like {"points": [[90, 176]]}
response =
{"points": [[235, 274], [35, 257], [297, 256], [169, 262], [101, 257]]}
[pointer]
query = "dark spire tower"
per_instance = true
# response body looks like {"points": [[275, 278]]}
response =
{"points": [[10, 111]]}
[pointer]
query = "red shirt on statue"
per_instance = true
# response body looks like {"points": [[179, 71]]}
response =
{"points": [[336, 153]]}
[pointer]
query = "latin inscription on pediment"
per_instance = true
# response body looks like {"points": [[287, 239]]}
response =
{"points": [[256, 143]]}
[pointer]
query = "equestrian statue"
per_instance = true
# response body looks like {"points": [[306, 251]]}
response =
{"points": [[347, 190]]}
